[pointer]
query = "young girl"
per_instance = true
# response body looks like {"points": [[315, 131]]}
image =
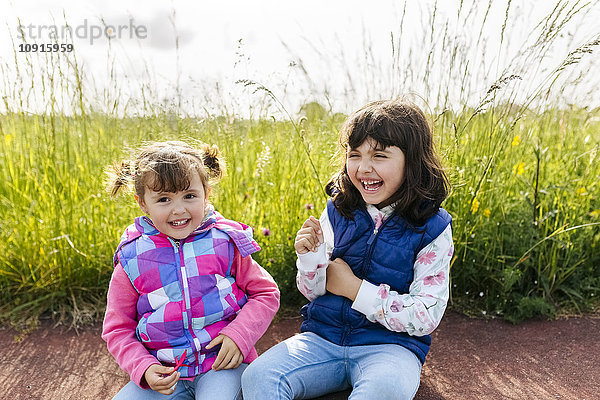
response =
{"points": [[186, 302], [374, 267]]}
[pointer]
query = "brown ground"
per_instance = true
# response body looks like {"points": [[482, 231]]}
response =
{"points": [[469, 359]]}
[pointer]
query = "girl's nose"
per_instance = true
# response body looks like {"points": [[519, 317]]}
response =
{"points": [[365, 166], [178, 207]]}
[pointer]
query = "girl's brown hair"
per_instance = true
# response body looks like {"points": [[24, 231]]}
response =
{"points": [[166, 167], [402, 124]]}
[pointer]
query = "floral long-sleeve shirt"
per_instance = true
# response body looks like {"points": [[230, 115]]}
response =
{"points": [[417, 312]]}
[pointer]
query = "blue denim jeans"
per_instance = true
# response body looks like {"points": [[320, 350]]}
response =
{"points": [[307, 366], [212, 385]]}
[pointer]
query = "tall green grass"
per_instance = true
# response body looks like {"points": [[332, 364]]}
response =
{"points": [[526, 210], [524, 170], [59, 227], [526, 213]]}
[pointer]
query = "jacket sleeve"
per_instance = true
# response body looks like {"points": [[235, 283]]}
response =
{"points": [[419, 311], [312, 266], [263, 302], [120, 322]]}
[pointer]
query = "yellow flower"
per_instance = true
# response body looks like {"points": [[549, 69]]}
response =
{"points": [[487, 213], [474, 206], [581, 191], [516, 140], [595, 213], [7, 139], [519, 168]]}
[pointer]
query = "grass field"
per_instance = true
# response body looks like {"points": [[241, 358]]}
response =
{"points": [[525, 195], [525, 203]]}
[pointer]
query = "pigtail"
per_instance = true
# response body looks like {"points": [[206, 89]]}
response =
{"points": [[119, 175], [213, 161]]}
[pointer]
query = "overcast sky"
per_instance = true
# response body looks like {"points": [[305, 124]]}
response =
{"points": [[338, 52]]}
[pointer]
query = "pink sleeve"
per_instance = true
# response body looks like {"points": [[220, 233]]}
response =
{"points": [[263, 302], [120, 322]]}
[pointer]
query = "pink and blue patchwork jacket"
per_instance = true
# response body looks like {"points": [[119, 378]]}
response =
{"points": [[187, 293]]}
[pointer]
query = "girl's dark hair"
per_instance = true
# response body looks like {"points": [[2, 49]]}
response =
{"points": [[166, 167], [402, 124]]}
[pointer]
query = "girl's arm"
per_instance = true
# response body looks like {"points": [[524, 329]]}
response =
{"points": [[419, 311], [263, 302], [120, 322], [312, 266]]}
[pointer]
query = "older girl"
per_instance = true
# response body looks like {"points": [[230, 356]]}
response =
{"points": [[374, 268]]}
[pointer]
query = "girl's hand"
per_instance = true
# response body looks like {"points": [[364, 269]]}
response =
{"points": [[309, 237], [341, 280], [162, 379], [229, 356]]}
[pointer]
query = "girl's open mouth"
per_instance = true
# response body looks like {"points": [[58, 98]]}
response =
{"points": [[371, 186], [179, 223]]}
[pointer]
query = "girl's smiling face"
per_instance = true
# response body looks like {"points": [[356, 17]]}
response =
{"points": [[176, 214], [375, 171]]}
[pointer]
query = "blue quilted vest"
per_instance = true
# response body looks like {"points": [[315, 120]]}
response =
{"points": [[386, 255]]}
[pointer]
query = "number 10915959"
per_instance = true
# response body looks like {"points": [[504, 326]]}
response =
{"points": [[45, 48]]}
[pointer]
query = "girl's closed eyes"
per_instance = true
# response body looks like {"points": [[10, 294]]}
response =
{"points": [[377, 174]]}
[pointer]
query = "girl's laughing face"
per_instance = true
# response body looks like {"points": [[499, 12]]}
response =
{"points": [[176, 214], [375, 171]]}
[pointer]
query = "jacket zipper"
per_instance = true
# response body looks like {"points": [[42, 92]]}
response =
{"points": [[188, 320], [366, 263], [371, 243]]}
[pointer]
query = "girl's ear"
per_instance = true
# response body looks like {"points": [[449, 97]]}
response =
{"points": [[141, 203], [206, 193]]}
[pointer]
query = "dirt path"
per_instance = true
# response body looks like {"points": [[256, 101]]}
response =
{"points": [[469, 359]]}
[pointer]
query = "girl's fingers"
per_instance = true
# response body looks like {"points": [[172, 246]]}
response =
{"points": [[240, 360], [314, 223], [309, 237], [316, 238], [164, 370], [214, 342], [311, 230], [166, 382], [318, 232], [217, 364], [313, 240], [304, 240], [305, 244], [309, 222], [235, 362], [170, 380], [168, 390], [222, 360], [320, 237]]}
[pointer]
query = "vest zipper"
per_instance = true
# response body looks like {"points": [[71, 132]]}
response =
{"points": [[371, 245], [372, 237], [366, 263], [346, 321], [177, 244]]}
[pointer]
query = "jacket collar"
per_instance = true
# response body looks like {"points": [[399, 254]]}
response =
{"points": [[240, 233]]}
